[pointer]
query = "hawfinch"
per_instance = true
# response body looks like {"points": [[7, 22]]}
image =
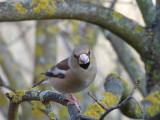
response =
{"points": [[73, 74]]}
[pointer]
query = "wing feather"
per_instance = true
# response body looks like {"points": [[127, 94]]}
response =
{"points": [[58, 70]]}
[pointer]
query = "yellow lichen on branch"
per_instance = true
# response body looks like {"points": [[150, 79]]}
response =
{"points": [[50, 112], [116, 75], [20, 8], [17, 96], [47, 5], [95, 110], [117, 15], [154, 98], [138, 29], [109, 99]]}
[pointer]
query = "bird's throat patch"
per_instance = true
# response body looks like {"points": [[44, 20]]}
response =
{"points": [[85, 66]]}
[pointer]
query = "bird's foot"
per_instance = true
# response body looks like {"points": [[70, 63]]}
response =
{"points": [[73, 100]]}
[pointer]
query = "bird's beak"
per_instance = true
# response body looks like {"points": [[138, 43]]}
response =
{"points": [[83, 59]]}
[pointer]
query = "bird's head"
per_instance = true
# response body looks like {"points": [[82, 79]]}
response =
{"points": [[81, 56]]}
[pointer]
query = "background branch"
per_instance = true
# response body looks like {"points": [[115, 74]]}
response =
{"points": [[9, 65], [127, 58], [115, 22], [148, 11]]}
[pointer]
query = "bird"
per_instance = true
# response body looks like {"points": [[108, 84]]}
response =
{"points": [[72, 74]]}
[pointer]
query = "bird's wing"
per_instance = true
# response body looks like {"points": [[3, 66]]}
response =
{"points": [[59, 70]]}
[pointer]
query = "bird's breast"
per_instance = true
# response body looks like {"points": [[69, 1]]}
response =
{"points": [[73, 82]]}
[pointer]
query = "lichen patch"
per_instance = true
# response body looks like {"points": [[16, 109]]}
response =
{"points": [[20, 8], [47, 5]]}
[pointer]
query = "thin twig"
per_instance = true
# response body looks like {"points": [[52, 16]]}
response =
{"points": [[123, 102], [96, 101], [138, 105], [82, 117], [2, 84], [135, 86], [119, 105]]}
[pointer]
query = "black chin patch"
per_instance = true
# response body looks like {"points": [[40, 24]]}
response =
{"points": [[85, 66]]}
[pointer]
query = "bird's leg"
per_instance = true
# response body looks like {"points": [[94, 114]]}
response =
{"points": [[73, 100]]}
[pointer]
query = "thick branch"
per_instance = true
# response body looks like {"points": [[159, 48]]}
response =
{"points": [[73, 112], [126, 28], [122, 103], [148, 11], [114, 90], [50, 111], [13, 111], [128, 59], [157, 23], [44, 96], [150, 104]]}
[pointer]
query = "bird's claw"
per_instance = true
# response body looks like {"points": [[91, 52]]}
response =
{"points": [[73, 100]]}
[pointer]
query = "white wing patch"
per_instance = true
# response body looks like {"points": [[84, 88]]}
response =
{"points": [[57, 71], [46, 82]]}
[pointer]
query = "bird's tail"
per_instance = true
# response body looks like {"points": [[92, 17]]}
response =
{"points": [[38, 83], [42, 82], [34, 85]]}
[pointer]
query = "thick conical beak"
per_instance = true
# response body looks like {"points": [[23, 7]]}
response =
{"points": [[83, 59]]}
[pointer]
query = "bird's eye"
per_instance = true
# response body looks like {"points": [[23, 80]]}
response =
{"points": [[76, 56]]}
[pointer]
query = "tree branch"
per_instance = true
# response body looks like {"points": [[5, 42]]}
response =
{"points": [[114, 90], [44, 96], [125, 28], [2, 84], [49, 110], [148, 11], [10, 67], [120, 104], [117, 94], [130, 63], [157, 11], [13, 111], [73, 112], [110, 99]]}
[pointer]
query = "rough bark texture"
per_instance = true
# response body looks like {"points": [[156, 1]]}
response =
{"points": [[112, 97], [148, 11], [128, 59], [145, 40], [125, 28]]}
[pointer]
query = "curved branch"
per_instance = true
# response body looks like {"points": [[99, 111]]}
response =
{"points": [[117, 91], [114, 90], [49, 110], [128, 59], [157, 11], [73, 112], [124, 27], [148, 10], [21, 96], [44, 96]]}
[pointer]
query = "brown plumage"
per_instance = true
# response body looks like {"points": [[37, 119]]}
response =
{"points": [[73, 74]]}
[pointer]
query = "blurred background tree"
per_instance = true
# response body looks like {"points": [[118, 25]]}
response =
{"points": [[29, 48]]}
